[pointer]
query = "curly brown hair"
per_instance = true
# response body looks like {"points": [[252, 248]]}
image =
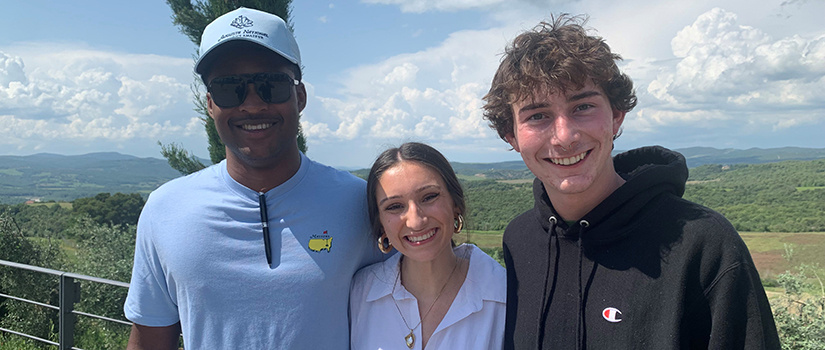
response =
{"points": [[554, 57]]}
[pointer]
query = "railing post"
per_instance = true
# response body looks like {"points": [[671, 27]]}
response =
{"points": [[69, 294]]}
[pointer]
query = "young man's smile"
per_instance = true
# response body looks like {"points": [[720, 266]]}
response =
{"points": [[566, 139], [568, 161]]}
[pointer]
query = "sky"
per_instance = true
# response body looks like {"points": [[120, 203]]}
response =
{"points": [[87, 76]]}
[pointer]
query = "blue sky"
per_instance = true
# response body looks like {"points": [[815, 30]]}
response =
{"points": [[95, 76]]}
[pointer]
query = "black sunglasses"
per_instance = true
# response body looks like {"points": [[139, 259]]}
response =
{"points": [[230, 91]]}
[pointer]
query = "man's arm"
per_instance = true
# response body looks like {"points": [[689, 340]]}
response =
{"points": [[144, 337]]}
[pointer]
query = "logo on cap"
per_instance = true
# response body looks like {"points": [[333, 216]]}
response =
{"points": [[241, 22], [612, 314]]}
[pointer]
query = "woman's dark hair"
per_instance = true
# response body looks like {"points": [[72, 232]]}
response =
{"points": [[414, 152]]}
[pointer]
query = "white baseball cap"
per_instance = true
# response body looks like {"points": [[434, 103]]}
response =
{"points": [[262, 28]]}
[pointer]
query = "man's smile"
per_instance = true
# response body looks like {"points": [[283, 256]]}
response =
{"points": [[256, 127], [569, 161]]}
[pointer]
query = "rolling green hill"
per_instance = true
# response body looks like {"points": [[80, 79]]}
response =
{"points": [[775, 197], [697, 156], [65, 178]]}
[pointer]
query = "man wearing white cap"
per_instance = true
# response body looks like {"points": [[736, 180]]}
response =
{"points": [[256, 252]]}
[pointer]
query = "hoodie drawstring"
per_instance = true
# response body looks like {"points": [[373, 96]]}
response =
{"points": [[544, 300], [584, 224]]}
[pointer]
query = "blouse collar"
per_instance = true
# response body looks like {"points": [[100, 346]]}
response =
{"points": [[474, 291]]}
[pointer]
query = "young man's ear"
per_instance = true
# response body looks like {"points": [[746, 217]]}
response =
{"points": [[511, 139], [618, 119]]}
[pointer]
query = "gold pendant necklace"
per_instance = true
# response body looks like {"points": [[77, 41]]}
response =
{"points": [[409, 339]]}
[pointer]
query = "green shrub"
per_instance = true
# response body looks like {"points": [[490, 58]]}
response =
{"points": [[800, 312]]}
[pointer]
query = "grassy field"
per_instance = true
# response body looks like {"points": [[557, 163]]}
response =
{"points": [[483, 239], [470, 177], [767, 248], [65, 205], [68, 246]]}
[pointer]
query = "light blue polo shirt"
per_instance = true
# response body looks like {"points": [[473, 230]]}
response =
{"points": [[200, 260]]}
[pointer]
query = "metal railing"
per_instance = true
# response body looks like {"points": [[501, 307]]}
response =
{"points": [[69, 295]]}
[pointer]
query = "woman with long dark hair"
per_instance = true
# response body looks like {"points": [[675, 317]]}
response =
{"points": [[432, 294]]}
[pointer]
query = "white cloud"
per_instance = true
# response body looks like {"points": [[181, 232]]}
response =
{"points": [[739, 72], [142, 100], [11, 70], [434, 94], [400, 75], [52, 95]]}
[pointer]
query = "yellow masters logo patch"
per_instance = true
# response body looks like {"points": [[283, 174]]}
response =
{"points": [[317, 243]]}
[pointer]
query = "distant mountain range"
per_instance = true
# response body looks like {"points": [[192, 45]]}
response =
{"points": [[47, 176], [697, 156]]}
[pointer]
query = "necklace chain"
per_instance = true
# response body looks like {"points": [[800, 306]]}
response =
{"points": [[411, 338]]}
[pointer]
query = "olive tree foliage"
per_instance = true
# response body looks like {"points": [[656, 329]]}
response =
{"points": [[16, 315], [46, 220], [105, 250], [191, 18], [96, 239], [800, 311], [104, 208]]}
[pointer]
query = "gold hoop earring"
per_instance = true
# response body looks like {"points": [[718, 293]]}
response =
{"points": [[459, 224], [384, 248]]}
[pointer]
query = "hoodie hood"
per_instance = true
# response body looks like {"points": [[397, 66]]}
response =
{"points": [[648, 172]]}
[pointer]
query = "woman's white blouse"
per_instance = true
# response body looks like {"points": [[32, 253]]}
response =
{"points": [[475, 319]]}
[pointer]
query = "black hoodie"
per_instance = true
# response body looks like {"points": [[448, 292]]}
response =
{"points": [[645, 269]]}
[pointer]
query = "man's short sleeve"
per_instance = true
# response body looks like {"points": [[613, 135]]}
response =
{"points": [[150, 301]]}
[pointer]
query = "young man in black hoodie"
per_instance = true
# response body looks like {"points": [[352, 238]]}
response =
{"points": [[611, 256]]}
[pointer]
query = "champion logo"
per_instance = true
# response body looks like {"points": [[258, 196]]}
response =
{"points": [[612, 314], [241, 22]]}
